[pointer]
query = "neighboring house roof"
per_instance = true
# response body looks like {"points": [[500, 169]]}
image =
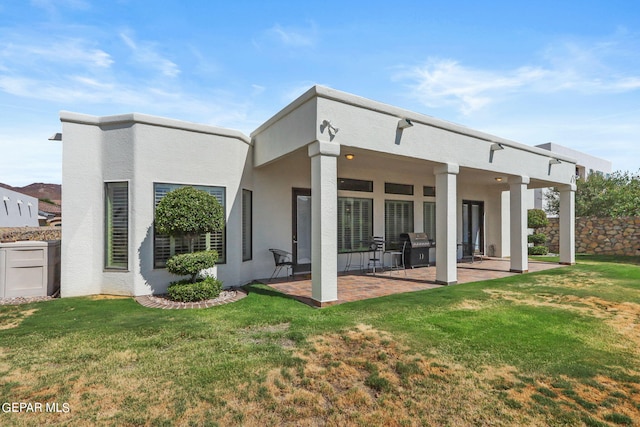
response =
{"points": [[49, 208]]}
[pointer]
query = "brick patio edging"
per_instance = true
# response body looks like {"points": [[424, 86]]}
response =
{"points": [[153, 301]]}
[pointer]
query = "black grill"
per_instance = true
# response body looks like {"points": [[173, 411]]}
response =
{"points": [[416, 251]]}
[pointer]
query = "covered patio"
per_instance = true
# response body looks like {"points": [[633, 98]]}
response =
{"points": [[359, 170], [356, 286]]}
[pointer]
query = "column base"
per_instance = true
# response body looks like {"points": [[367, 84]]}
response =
{"points": [[567, 263], [440, 282], [321, 304], [518, 271]]}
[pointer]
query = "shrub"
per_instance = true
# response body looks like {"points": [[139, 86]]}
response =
{"points": [[538, 250], [537, 218], [188, 212], [538, 239], [186, 291], [191, 264]]}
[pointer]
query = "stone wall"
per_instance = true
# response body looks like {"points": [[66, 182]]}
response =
{"points": [[601, 236], [15, 234]]}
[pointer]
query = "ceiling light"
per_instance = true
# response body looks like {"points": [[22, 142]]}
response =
{"points": [[349, 156], [499, 179]]}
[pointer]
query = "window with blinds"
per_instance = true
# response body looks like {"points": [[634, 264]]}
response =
{"points": [[430, 219], [398, 219], [164, 247], [116, 226], [247, 225], [355, 223]]}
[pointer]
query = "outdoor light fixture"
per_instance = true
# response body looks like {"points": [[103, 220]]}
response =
{"points": [[349, 156], [499, 179], [326, 124], [496, 146], [554, 162], [404, 123], [56, 137]]}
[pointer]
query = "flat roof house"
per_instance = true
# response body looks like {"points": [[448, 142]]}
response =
{"points": [[318, 179], [17, 209]]}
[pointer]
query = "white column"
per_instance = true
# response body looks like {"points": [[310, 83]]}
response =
{"points": [[324, 221], [446, 223], [568, 224], [518, 219]]}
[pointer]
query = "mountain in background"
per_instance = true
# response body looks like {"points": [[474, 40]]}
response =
{"points": [[40, 190]]}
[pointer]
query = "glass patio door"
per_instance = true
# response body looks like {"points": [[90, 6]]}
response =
{"points": [[301, 233], [472, 227]]}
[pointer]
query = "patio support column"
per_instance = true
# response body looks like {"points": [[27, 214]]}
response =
{"points": [[518, 229], [324, 221], [447, 220], [568, 224]]}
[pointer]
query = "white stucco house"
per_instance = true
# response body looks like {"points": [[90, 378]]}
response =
{"points": [[318, 179], [17, 209]]}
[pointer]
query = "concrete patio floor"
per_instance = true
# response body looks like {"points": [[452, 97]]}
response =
{"points": [[355, 286]]}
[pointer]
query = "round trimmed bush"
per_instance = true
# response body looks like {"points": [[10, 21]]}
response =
{"points": [[186, 291], [537, 218], [191, 264], [538, 250], [538, 239]]}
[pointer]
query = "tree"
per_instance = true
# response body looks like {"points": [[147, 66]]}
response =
{"points": [[187, 212], [603, 196], [537, 218]]}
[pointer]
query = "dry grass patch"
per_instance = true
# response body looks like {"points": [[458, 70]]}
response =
{"points": [[365, 377], [12, 318], [623, 317]]}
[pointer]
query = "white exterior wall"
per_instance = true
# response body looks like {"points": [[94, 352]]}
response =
{"points": [[144, 150], [141, 151], [17, 209]]}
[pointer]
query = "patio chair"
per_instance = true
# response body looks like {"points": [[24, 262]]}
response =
{"points": [[474, 252], [376, 249], [282, 259], [395, 256]]}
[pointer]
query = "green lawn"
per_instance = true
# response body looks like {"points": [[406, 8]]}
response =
{"points": [[559, 347]]}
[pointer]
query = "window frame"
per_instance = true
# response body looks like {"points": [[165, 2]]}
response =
{"points": [[109, 264], [431, 233], [393, 241], [353, 184], [363, 241], [247, 235], [399, 189]]}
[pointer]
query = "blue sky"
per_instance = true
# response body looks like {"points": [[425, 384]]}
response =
{"points": [[534, 72]]}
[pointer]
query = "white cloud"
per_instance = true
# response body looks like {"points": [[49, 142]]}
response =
{"points": [[294, 37], [52, 6], [592, 70], [145, 53], [61, 51], [442, 82]]}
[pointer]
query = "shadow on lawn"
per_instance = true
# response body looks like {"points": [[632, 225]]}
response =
{"points": [[262, 289], [619, 259]]}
